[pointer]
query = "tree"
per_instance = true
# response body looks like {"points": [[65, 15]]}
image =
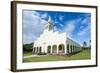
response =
{"points": [[89, 43], [84, 44], [28, 47]]}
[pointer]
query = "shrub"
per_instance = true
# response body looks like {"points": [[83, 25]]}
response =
{"points": [[85, 48], [42, 53], [28, 47]]}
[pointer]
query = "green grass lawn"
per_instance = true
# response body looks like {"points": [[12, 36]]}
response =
{"points": [[27, 53], [85, 54]]}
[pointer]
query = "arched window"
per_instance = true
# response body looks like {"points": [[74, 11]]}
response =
{"points": [[54, 49]]}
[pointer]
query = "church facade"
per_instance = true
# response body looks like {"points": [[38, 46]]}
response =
{"points": [[54, 43]]}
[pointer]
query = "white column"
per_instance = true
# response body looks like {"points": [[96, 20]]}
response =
{"points": [[33, 51], [46, 49], [51, 49], [36, 50], [72, 49], [69, 48], [41, 48], [65, 49], [57, 49]]}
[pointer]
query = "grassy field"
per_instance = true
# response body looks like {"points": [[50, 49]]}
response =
{"points": [[27, 53], [85, 54]]}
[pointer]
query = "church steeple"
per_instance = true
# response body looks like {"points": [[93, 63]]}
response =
{"points": [[49, 26]]}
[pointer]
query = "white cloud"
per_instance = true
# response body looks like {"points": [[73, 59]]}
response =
{"points": [[44, 15], [28, 13], [81, 27], [69, 27], [61, 25], [32, 26], [84, 31], [55, 20], [61, 18], [86, 21]]}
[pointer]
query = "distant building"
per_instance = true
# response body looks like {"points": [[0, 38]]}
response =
{"points": [[53, 42]]}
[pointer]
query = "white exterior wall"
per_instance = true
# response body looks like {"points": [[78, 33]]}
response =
{"points": [[50, 38], [73, 43]]}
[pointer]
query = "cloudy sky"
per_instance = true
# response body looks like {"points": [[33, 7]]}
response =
{"points": [[76, 25]]}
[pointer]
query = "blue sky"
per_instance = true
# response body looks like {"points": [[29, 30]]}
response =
{"points": [[77, 25]]}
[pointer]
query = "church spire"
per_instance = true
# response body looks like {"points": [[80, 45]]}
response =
{"points": [[49, 20], [49, 26]]}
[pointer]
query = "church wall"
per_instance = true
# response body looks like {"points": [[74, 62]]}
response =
{"points": [[52, 38], [75, 46]]}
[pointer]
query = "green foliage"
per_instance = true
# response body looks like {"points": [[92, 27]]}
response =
{"points": [[84, 44], [85, 48], [28, 47], [42, 53]]}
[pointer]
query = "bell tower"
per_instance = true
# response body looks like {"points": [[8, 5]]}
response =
{"points": [[49, 26]]}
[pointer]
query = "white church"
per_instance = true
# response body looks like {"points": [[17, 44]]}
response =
{"points": [[54, 43]]}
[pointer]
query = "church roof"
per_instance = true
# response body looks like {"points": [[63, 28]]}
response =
{"points": [[72, 41]]}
